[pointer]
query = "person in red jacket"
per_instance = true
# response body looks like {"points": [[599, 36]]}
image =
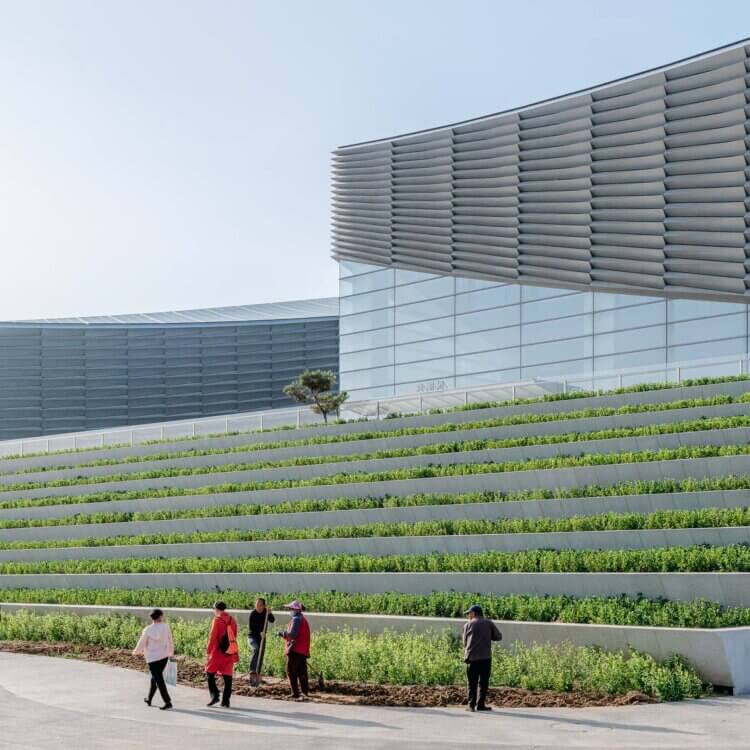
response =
{"points": [[297, 650], [222, 654]]}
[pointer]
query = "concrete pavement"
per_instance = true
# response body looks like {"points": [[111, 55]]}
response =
{"points": [[48, 703]]}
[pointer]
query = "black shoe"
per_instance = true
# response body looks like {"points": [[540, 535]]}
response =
{"points": [[166, 707], [484, 708], [147, 701], [214, 700], [225, 705]]}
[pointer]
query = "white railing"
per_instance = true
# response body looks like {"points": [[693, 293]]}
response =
{"points": [[376, 409]]}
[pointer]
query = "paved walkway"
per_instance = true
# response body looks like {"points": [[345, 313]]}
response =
{"points": [[48, 703]]}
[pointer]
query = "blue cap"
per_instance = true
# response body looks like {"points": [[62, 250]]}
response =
{"points": [[476, 609]]}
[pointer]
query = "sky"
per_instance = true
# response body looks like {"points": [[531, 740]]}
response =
{"points": [[163, 155]]}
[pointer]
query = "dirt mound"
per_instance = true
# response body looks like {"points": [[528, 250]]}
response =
{"points": [[190, 672]]}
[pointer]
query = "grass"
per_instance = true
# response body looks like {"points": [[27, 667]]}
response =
{"points": [[695, 425], [664, 519], [636, 487], [731, 558], [431, 658], [598, 610]]}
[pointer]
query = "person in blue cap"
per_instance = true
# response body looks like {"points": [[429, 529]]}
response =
{"points": [[478, 635]]}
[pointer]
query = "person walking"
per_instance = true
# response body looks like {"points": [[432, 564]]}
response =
{"points": [[260, 617], [157, 647], [297, 650], [478, 635], [222, 654]]}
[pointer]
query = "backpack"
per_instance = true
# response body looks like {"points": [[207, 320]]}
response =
{"points": [[228, 642]]}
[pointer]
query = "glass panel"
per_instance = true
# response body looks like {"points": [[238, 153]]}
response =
{"points": [[407, 277], [424, 350], [651, 313], [500, 359], [428, 329], [685, 309], [488, 378], [429, 370], [708, 329], [366, 394], [494, 318], [367, 378], [553, 351], [437, 308], [624, 341], [365, 321], [497, 296], [426, 388], [548, 309], [533, 293], [351, 268], [367, 358], [605, 301], [370, 301], [367, 283], [441, 287], [499, 338], [708, 350], [574, 367], [472, 285], [368, 340], [554, 330], [630, 360]]}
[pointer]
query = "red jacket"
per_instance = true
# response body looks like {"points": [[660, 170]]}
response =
{"points": [[217, 662], [297, 635]]}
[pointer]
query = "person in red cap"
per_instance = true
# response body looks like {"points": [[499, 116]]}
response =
{"points": [[297, 650], [222, 654]]}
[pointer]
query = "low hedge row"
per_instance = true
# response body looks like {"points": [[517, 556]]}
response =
{"points": [[665, 519], [416, 472], [432, 658], [731, 558], [637, 487]]}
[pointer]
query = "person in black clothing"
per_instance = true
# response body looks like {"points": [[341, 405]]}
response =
{"points": [[478, 635], [255, 635]]}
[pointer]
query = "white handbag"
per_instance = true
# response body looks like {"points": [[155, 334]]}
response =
{"points": [[170, 672]]}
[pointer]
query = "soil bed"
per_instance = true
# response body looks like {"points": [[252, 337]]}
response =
{"points": [[190, 672]]}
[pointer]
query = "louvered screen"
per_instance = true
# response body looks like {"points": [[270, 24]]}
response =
{"points": [[640, 186]]}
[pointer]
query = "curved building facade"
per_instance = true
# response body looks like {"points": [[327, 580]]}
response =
{"points": [[596, 232], [71, 374]]}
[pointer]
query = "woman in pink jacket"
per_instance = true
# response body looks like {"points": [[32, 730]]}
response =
{"points": [[222, 654], [157, 646]]}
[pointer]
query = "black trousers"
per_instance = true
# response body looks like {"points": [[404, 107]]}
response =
{"points": [[478, 675], [157, 680], [296, 671], [214, 689]]}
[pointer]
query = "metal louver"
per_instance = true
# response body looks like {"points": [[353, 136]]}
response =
{"points": [[640, 186]]}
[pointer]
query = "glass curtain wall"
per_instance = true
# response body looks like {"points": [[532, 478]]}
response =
{"points": [[406, 332]]}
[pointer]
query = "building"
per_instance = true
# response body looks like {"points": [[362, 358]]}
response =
{"points": [[601, 230], [73, 374]]}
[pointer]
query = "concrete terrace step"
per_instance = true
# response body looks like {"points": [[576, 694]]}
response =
{"points": [[735, 388], [714, 653], [588, 424], [732, 436], [728, 589], [400, 545], [604, 475], [564, 508]]}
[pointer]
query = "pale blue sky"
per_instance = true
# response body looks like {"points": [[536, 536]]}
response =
{"points": [[161, 155]]}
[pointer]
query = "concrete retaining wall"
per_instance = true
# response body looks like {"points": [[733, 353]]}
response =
{"points": [[505, 482], [589, 424], [729, 589], [736, 436], [461, 417], [721, 657], [399, 545]]}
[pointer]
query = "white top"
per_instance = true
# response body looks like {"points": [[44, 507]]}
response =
{"points": [[155, 642]]}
